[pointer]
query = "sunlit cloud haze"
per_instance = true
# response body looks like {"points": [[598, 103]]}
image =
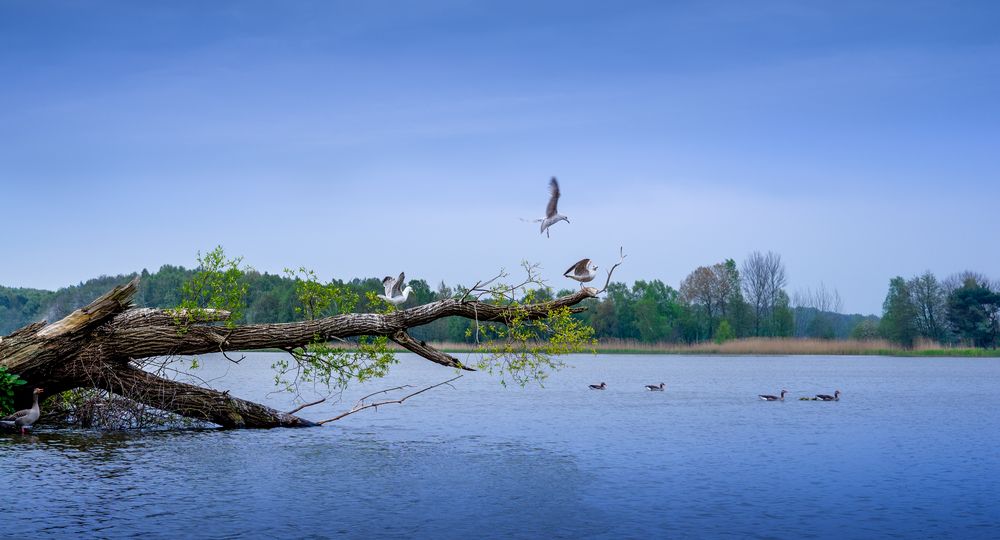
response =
{"points": [[859, 140]]}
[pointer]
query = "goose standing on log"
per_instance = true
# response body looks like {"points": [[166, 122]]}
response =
{"points": [[828, 397], [601, 386], [394, 293], [552, 215], [582, 271], [769, 397], [26, 418], [655, 387]]}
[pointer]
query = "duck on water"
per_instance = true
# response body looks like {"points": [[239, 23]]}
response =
{"points": [[769, 397]]}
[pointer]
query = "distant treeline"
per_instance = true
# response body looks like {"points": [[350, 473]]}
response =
{"points": [[710, 304], [961, 309], [713, 303]]}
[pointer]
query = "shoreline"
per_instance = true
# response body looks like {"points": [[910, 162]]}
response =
{"points": [[762, 347]]}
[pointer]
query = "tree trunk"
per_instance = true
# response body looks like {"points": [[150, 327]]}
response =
{"points": [[99, 345]]}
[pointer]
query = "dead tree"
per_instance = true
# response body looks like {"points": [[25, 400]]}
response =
{"points": [[101, 346]]}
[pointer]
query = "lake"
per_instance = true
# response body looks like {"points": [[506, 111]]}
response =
{"points": [[911, 450]]}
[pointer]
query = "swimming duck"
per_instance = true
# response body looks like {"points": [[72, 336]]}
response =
{"points": [[769, 397], [601, 386], [828, 397], [655, 387]]}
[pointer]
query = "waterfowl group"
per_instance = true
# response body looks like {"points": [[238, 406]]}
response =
{"points": [[23, 420], [652, 387]]}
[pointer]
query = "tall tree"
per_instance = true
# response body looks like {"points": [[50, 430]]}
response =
{"points": [[930, 303], [974, 312], [899, 314], [763, 278]]}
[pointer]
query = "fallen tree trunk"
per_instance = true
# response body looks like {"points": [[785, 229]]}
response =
{"points": [[101, 346]]}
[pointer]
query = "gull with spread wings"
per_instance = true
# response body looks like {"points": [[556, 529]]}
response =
{"points": [[552, 215], [394, 293], [582, 271]]}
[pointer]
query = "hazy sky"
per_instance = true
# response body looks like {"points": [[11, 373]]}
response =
{"points": [[860, 140]]}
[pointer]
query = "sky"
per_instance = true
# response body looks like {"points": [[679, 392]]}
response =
{"points": [[859, 140]]}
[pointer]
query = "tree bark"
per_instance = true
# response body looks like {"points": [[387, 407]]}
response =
{"points": [[98, 346]]}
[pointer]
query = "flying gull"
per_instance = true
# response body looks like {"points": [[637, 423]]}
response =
{"points": [[552, 215]]}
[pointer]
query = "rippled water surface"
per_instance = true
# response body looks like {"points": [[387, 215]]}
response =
{"points": [[911, 451]]}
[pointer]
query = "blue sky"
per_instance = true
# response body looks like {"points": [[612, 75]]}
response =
{"points": [[859, 140]]}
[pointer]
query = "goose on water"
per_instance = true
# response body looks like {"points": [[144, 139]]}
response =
{"points": [[601, 386], [769, 397], [828, 397], [26, 418], [655, 387], [582, 271], [394, 293], [552, 215]]}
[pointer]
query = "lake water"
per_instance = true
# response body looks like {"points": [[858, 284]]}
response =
{"points": [[911, 450]]}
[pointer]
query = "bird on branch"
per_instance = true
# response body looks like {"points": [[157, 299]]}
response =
{"points": [[394, 293]]}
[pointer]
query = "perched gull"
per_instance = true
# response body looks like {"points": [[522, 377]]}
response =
{"points": [[552, 215], [769, 397], [394, 294], [582, 271]]}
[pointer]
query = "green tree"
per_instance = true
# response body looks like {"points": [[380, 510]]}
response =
{"points": [[899, 314], [724, 332], [974, 312]]}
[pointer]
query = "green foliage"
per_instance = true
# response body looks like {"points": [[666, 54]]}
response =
{"points": [[219, 283], [315, 299], [526, 349], [322, 362], [724, 332], [974, 312], [866, 329], [899, 314], [8, 383]]}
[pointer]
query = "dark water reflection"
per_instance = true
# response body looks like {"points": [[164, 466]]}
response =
{"points": [[911, 451]]}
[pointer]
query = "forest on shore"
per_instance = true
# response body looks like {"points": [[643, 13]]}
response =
{"points": [[716, 303]]}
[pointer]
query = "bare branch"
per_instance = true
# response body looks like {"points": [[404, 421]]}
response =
{"points": [[360, 406], [304, 405], [622, 255], [426, 351]]}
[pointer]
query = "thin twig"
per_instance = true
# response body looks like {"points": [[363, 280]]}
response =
{"points": [[621, 252], [303, 406], [359, 407]]}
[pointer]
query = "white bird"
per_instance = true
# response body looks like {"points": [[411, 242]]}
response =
{"points": [[394, 294], [582, 271], [26, 418], [552, 215]]}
